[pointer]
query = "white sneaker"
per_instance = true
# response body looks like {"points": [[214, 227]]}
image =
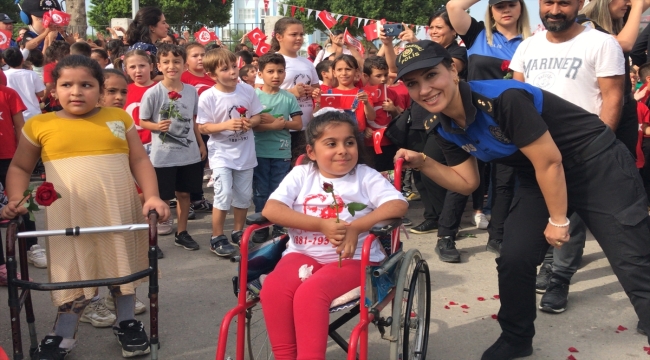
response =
{"points": [[36, 256], [166, 227], [140, 307], [207, 174], [210, 182], [480, 221], [98, 315]]}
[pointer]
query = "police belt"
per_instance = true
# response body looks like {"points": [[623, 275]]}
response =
{"points": [[601, 143]]}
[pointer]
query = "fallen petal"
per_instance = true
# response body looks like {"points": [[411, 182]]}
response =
{"points": [[480, 298], [494, 316], [465, 307], [573, 350], [646, 348], [465, 311], [496, 296], [453, 303], [618, 332], [447, 307], [621, 328], [571, 357]]}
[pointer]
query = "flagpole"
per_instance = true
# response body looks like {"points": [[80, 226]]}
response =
{"points": [[135, 6]]}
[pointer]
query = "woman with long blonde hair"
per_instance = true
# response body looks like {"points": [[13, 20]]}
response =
{"points": [[491, 42]]}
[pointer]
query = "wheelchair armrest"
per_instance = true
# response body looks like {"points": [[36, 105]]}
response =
{"points": [[385, 228], [256, 219]]}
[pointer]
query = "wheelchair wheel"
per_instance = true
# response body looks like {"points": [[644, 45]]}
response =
{"points": [[418, 311], [257, 345], [411, 309]]}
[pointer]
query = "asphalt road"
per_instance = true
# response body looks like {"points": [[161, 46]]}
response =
{"points": [[196, 292]]}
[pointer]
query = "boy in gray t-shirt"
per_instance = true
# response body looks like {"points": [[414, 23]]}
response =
{"points": [[169, 110]]}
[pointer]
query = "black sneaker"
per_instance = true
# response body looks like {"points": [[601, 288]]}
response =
{"points": [[236, 237], [504, 350], [172, 204], [159, 252], [185, 240], [202, 205], [277, 232], [446, 250], [639, 329], [556, 297], [192, 214], [407, 222], [131, 335], [494, 246], [260, 236], [425, 227], [543, 277], [221, 246], [49, 349]]}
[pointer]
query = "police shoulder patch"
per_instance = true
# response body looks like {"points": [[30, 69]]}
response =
{"points": [[498, 134]]}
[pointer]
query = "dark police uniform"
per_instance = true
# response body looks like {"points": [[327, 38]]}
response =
{"points": [[603, 185]]}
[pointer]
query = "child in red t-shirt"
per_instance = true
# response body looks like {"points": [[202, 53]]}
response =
{"points": [[326, 76], [643, 113], [351, 97], [195, 74], [138, 67], [387, 104]]}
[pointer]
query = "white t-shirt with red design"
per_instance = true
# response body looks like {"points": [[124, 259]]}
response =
{"points": [[132, 107], [302, 190]]}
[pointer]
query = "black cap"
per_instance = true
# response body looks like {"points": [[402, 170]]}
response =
{"points": [[39, 7], [4, 18], [494, 2], [420, 55]]}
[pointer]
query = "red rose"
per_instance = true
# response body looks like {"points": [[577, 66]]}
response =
{"points": [[328, 187], [242, 111], [505, 65], [173, 95], [45, 194]]}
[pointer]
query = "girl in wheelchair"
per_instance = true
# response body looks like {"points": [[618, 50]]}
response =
{"points": [[296, 310]]}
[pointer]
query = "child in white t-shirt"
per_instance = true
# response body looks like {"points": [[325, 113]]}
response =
{"points": [[227, 112], [26, 82], [296, 310]]}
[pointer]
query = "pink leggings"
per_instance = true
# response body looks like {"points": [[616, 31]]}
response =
{"points": [[297, 312]]}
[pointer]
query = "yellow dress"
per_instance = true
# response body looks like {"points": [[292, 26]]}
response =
{"points": [[87, 160]]}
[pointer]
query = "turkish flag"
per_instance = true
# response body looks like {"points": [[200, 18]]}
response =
{"points": [[374, 93], [330, 101], [262, 48], [377, 135], [327, 19], [5, 39], [256, 36], [371, 32], [55, 17], [352, 41], [203, 36]]}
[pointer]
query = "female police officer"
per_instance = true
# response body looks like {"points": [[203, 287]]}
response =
{"points": [[567, 160]]}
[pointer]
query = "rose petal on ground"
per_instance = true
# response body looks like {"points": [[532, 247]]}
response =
{"points": [[464, 306], [496, 296], [621, 328], [571, 357], [453, 303], [447, 307], [480, 298], [465, 312], [573, 350], [494, 316], [646, 348], [618, 332]]}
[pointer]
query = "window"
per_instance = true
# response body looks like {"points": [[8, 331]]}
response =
{"points": [[246, 14]]}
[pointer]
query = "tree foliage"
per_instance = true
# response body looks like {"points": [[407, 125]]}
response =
{"points": [[408, 11], [10, 8], [192, 13]]}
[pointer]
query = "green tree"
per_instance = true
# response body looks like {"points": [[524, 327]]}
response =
{"points": [[10, 8], [191, 13], [407, 11]]}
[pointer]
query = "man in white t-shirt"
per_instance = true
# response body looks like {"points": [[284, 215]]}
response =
{"points": [[26, 83], [586, 67]]}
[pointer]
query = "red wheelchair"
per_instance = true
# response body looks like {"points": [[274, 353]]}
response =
{"points": [[401, 281]]}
